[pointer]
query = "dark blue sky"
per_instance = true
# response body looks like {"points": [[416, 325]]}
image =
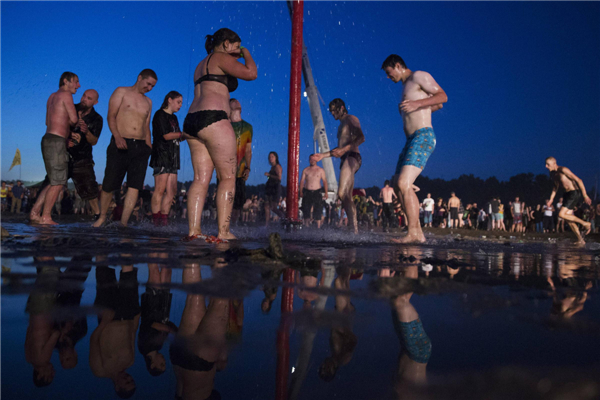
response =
{"points": [[523, 78]]}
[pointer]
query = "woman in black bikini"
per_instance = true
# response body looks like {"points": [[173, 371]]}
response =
{"points": [[208, 130]]}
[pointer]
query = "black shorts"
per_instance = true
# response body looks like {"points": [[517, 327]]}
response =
{"points": [[572, 199], [132, 161], [453, 212], [164, 170], [122, 296], [84, 178], [312, 199], [240, 194]]}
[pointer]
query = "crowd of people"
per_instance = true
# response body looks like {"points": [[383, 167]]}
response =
{"points": [[221, 141]]}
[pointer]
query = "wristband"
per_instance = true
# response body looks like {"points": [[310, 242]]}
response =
{"points": [[241, 53], [180, 136]]}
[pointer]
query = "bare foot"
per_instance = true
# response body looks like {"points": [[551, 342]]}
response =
{"points": [[410, 238], [580, 243], [588, 230], [47, 221], [99, 222], [226, 236], [35, 218]]}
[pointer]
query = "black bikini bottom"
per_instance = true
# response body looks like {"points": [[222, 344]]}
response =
{"points": [[354, 155], [196, 121], [181, 356]]}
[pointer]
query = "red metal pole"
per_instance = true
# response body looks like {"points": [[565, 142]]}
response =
{"points": [[295, 98]]}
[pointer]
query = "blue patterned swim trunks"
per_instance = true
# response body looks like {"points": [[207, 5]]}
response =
{"points": [[414, 341], [417, 150]]}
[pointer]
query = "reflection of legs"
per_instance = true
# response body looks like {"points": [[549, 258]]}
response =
{"points": [[410, 203], [203, 170], [221, 146], [160, 183], [105, 199], [130, 199], [347, 172]]}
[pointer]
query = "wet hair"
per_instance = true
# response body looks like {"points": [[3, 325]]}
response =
{"points": [[386, 183], [276, 157], [337, 104], [68, 76], [392, 60], [38, 381], [173, 94], [148, 73], [550, 159], [219, 37], [125, 394]]}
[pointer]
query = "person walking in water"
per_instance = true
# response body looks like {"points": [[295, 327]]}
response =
{"points": [[387, 195], [575, 193], [310, 191], [350, 136], [421, 96], [208, 129]]}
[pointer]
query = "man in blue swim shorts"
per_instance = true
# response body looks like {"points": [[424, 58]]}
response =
{"points": [[421, 96]]}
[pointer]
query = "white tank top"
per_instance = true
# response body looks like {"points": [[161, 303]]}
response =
{"points": [[517, 207]]}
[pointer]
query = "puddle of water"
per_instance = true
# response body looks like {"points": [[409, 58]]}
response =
{"points": [[83, 308]]}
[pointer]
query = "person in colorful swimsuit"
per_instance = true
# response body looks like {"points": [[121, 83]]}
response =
{"points": [[420, 97], [243, 136], [574, 194], [209, 132], [350, 136]]}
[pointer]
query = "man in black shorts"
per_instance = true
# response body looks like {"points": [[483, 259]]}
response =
{"points": [[574, 194], [83, 137], [128, 118], [310, 191]]}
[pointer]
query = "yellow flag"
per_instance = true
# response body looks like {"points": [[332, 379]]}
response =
{"points": [[16, 160]]}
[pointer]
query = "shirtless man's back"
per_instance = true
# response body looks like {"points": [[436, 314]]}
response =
{"points": [[310, 191], [128, 118], [60, 116], [387, 194], [421, 96], [575, 193], [350, 136], [453, 204]]}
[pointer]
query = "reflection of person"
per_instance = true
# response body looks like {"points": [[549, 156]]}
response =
{"points": [[129, 111], [83, 137], [154, 324], [243, 136], [574, 194], [199, 349], [273, 187], [165, 156], [112, 343], [60, 116], [208, 130], [350, 136], [270, 289], [414, 342], [310, 191], [342, 340], [421, 96], [42, 335]]}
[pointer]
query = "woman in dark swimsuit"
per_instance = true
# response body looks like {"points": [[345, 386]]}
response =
{"points": [[208, 130], [273, 188]]}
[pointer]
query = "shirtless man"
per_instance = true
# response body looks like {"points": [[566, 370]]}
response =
{"points": [[128, 118], [420, 97], [310, 191], [350, 136], [60, 118], [574, 193], [453, 204], [387, 194]]}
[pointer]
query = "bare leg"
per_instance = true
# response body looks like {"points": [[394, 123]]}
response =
{"points": [[160, 183], [167, 199], [267, 213], [572, 220], [203, 170], [94, 205], [131, 198], [220, 142], [51, 196], [36, 210], [345, 189], [105, 199], [410, 202]]}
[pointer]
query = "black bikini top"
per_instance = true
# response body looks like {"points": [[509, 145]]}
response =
{"points": [[230, 81]]}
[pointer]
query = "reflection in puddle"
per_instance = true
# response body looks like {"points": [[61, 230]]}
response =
{"points": [[360, 321]]}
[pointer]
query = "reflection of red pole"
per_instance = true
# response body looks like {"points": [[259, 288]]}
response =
{"points": [[294, 125], [283, 338]]}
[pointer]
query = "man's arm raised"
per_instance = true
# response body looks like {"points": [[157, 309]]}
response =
{"points": [[114, 104], [569, 174]]}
